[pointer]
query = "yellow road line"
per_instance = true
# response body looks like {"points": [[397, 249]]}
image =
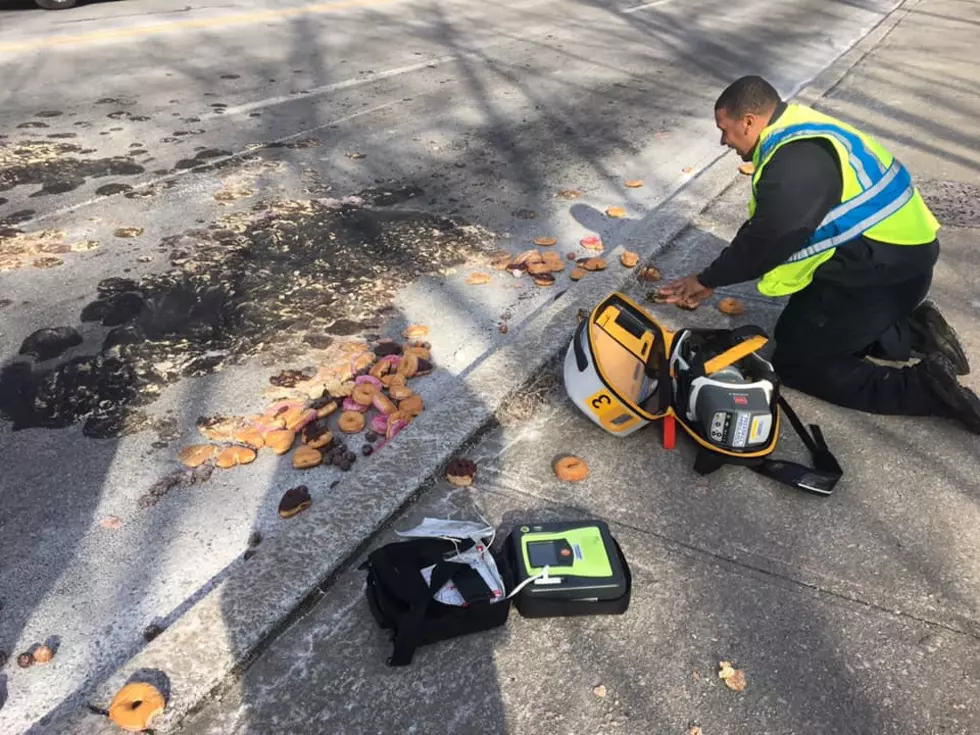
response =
{"points": [[220, 22]]}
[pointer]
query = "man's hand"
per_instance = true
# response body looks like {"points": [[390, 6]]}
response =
{"points": [[686, 291]]}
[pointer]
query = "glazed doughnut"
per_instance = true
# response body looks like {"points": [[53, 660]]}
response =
{"points": [[578, 274], [731, 306], [400, 392], [545, 242], [384, 404], [413, 405], [615, 212], [629, 259], [351, 422], [250, 436], [305, 457], [197, 454], [363, 394], [135, 705], [235, 455], [408, 365], [280, 441], [571, 469], [394, 381]]}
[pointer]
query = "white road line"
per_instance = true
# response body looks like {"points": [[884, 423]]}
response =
{"points": [[332, 87], [214, 161], [638, 8]]}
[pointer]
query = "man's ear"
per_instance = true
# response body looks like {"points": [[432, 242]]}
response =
{"points": [[749, 121]]}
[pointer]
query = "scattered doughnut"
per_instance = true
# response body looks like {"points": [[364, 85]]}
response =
{"points": [[280, 441], [478, 279], [408, 365], [197, 454], [351, 422], [571, 469], [649, 274], [747, 168], [233, 456], [545, 242], [415, 330], [25, 660], [317, 435], [324, 407], [250, 436], [413, 405], [615, 212], [687, 305], [135, 705], [592, 264], [400, 392], [591, 242], [305, 457], [295, 500], [634, 184], [731, 306], [629, 259], [383, 404], [461, 472], [544, 279], [392, 381], [536, 269], [363, 394], [527, 257], [578, 274], [657, 297], [43, 654], [420, 352]]}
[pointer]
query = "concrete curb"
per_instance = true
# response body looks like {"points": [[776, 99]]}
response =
{"points": [[259, 598]]}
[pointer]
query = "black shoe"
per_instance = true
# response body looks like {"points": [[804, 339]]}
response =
{"points": [[934, 334], [955, 401]]}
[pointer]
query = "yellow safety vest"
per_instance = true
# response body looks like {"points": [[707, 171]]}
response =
{"points": [[878, 198]]}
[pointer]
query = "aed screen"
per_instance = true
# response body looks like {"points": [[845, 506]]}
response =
{"points": [[542, 554]]}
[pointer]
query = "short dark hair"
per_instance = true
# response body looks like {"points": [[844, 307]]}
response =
{"points": [[748, 94]]}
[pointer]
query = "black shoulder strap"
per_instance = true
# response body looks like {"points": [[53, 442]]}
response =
{"points": [[819, 479], [409, 633]]}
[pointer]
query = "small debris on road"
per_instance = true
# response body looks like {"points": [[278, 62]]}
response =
{"points": [[599, 690], [734, 678]]}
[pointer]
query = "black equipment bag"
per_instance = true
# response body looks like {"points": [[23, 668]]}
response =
{"points": [[403, 603]]}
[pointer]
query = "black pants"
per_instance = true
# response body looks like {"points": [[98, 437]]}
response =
{"points": [[826, 331]]}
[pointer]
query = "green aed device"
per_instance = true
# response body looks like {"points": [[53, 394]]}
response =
{"points": [[568, 568]]}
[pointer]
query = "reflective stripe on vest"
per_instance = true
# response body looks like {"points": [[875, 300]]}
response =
{"points": [[885, 191], [877, 198]]}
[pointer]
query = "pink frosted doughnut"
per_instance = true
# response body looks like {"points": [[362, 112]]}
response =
{"points": [[379, 424], [351, 405]]}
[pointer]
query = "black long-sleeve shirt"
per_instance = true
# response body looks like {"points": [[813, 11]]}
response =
{"points": [[800, 184]]}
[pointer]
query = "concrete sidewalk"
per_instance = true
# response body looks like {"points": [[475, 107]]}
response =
{"points": [[854, 614]]}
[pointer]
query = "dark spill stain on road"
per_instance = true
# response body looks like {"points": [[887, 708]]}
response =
{"points": [[253, 282], [55, 168]]}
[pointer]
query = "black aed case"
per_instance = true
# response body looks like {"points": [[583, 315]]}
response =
{"points": [[568, 568]]}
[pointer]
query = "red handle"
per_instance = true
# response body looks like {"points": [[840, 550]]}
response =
{"points": [[670, 432]]}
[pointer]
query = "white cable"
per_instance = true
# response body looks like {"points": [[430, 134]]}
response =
{"points": [[543, 574]]}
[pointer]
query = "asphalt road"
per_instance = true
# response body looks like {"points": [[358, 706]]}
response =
{"points": [[128, 117]]}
